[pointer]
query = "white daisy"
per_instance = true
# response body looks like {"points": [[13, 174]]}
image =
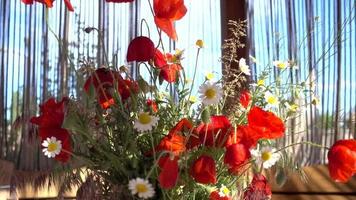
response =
{"points": [[291, 107], [210, 93], [266, 155], [142, 188], [224, 191], [145, 122], [271, 99], [52, 147], [281, 64], [243, 67]]}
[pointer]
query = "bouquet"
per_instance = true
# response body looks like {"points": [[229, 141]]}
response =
{"points": [[154, 139]]}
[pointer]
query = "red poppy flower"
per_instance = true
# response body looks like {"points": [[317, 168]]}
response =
{"points": [[184, 125], [104, 81], [215, 195], [236, 156], [170, 72], [159, 59], [152, 105], [101, 77], [203, 170], [62, 135], [126, 88], [214, 133], [169, 69], [245, 99], [174, 142], [193, 140], [267, 123], [258, 189], [52, 114], [49, 3], [166, 13], [169, 172], [245, 135], [140, 49], [119, 1], [342, 160]]}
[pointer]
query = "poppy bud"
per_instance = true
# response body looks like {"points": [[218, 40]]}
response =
{"points": [[89, 29]]}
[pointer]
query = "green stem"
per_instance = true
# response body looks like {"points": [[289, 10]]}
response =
{"points": [[238, 177], [101, 38], [148, 28], [155, 164], [195, 72], [305, 142]]}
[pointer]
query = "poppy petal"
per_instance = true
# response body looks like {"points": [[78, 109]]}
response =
{"points": [[203, 170], [159, 60], [169, 173], [52, 114], [269, 125], [167, 26], [27, 1], [245, 98], [174, 143], [69, 5], [258, 189], [215, 133], [166, 12], [119, 1], [342, 160], [140, 49], [170, 72], [236, 155]]}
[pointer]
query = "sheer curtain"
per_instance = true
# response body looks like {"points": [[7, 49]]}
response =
{"points": [[320, 36], [41, 50]]}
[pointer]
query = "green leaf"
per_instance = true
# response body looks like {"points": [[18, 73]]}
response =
{"points": [[205, 115], [281, 178], [144, 86]]}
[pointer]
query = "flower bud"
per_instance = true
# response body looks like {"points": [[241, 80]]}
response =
{"points": [[199, 43]]}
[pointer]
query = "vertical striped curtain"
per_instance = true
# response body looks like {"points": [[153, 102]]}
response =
{"points": [[320, 35], [41, 51]]}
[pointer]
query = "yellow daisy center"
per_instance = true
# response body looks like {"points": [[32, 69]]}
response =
{"points": [[225, 190], [209, 76], [272, 100], [52, 147], [260, 82], [141, 188], [144, 118], [210, 93], [266, 156], [282, 65]]}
